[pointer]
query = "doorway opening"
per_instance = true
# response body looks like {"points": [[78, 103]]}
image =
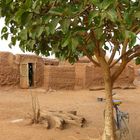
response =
{"points": [[30, 74]]}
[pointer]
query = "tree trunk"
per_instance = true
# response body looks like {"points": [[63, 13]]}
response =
{"points": [[109, 133], [109, 128]]}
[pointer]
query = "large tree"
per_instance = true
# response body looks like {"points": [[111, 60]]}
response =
{"points": [[73, 28]]}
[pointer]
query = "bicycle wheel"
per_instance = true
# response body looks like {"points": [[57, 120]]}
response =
{"points": [[124, 131]]}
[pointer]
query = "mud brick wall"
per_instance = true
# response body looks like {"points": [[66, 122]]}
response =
{"points": [[64, 76], [39, 73], [39, 70], [83, 77], [97, 77], [80, 75], [90, 76], [47, 76], [59, 77], [137, 75], [87, 76], [126, 78], [9, 70], [53, 62]]}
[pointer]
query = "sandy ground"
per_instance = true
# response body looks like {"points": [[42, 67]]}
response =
{"points": [[16, 103]]}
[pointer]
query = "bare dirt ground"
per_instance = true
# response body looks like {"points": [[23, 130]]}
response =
{"points": [[16, 103]]}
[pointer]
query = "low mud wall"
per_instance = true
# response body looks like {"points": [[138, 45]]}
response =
{"points": [[127, 77], [59, 77], [137, 74], [50, 75], [90, 76], [38, 68], [9, 70]]}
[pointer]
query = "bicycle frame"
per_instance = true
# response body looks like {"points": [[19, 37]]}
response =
{"points": [[120, 116], [121, 120]]}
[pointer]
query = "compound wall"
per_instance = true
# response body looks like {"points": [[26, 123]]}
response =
{"points": [[9, 70], [51, 74], [38, 69], [90, 76], [59, 77], [12, 74], [137, 74]]}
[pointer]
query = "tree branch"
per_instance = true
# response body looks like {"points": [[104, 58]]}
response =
{"points": [[128, 56], [112, 55], [97, 50], [135, 53], [121, 57], [119, 70], [124, 46], [119, 13], [138, 31], [133, 56], [89, 56], [134, 28], [81, 12]]}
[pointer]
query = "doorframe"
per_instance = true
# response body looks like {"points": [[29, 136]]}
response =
{"points": [[24, 75]]}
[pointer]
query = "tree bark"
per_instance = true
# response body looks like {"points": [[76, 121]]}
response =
{"points": [[109, 128], [109, 131]]}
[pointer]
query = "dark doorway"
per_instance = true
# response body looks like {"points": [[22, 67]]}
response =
{"points": [[31, 74]]}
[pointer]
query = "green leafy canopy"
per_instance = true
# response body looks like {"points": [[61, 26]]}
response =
{"points": [[66, 27]]}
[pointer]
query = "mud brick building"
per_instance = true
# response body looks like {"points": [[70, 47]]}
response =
{"points": [[30, 71]]}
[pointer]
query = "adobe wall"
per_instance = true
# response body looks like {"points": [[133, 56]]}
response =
{"points": [[137, 74], [9, 70], [90, 76], [59, 77], [83, 76], [97, 77], [39, 68], [80, 75], [126, 78], [53, 62], [64, 76]]}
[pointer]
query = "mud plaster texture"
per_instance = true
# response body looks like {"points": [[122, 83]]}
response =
{"points": [[39, 67], [59, 77], [52, 74], [90, 76], [137, 74], [53, 62], [9, 70]]}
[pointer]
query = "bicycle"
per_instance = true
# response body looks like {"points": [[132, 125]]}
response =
{"points": [[121, 121]]}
